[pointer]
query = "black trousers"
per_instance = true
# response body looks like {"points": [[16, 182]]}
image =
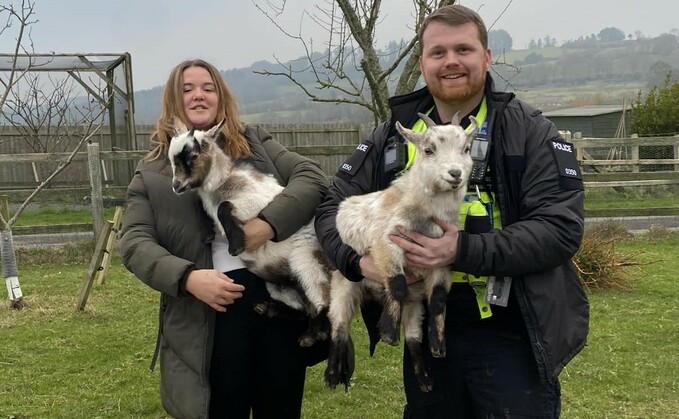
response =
{"points": [[487, 373], [257, 365]]}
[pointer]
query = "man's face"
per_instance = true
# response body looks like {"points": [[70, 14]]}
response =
{"points": [[454, 62]]}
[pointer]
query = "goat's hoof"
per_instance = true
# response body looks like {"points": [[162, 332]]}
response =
{"points": [[426, 385], [390, 333], [390, 339], [334, 377], [390, 328], [262, 309], [340, 366], [438, 353], [438, 350], [306, 340], [311, 338]]}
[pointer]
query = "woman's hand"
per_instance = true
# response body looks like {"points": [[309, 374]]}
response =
{"points": [[213, 288], [257, 232], [425, 252]]}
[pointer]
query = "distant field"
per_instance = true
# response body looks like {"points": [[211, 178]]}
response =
{"points": [[599, 92], [513, 56]]}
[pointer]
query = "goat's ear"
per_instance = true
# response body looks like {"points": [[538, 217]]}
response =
{"points": [[405, 132], [472, 130], [473, 126], [427, 120], [456, 119], [178, 126], [408, 134], [213, 132]]}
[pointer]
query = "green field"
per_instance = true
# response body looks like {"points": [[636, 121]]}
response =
{"points": [[60, 364]]}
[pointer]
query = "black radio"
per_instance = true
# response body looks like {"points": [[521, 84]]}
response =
{"points": [[480, 152]]}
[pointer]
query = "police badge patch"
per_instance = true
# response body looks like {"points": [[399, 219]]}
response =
{"points": [[566, 161], [353, 162]]}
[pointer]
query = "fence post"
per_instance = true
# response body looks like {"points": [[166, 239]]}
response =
{"points": [[4, 209], [635, 157], [94, 171]]}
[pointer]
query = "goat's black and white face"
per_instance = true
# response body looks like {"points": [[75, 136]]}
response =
{"points": [[443, 157], [190, 154]]}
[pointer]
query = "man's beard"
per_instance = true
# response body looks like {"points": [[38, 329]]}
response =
{"points": [[457, 94]]}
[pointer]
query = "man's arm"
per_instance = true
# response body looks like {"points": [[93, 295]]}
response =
{"points": [[551, 214], [356, 176]]}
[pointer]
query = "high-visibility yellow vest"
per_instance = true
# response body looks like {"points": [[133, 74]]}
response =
{"points": [[477, 204]]}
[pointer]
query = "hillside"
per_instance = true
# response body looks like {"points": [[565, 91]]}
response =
{"points": [[548, 78]]}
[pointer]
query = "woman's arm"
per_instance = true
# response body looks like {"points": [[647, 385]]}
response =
{"points": [[305, 187], [140, 251]]}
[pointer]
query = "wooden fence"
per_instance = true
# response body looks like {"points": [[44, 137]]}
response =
{"points": [[605, 162], [628, 162], [22, 170]]}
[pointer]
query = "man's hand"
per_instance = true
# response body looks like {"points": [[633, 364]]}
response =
{"points": [[213, 288], [257, 232], [425, 252]]}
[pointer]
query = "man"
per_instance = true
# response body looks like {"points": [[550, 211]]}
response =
{"points": [[503, 359]]}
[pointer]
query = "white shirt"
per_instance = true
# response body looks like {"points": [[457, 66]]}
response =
{"points": [[221, 259]]}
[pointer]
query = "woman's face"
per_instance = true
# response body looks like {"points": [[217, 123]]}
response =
{"points": [[199, 97]]}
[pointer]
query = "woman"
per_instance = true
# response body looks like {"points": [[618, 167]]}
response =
{"points": [[218, 358]]}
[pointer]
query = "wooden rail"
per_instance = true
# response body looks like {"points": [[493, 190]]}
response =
{"points": [[626, 169], [326, 150]]}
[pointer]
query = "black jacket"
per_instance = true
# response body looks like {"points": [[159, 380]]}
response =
{"points": [[540, 194]]}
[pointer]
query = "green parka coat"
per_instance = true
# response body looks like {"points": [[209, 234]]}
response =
{"points": [[165, 235]]}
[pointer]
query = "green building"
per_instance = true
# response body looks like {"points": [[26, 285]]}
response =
{"points": [[601, 121]]}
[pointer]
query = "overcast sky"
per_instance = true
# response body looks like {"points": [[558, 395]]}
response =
{"points": [[233, 33]]}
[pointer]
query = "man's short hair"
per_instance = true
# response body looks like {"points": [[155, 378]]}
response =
{"points": [[456, 15]]}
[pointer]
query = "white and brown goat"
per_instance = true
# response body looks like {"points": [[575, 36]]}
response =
{"points": [[433, 188], [234, 192]]}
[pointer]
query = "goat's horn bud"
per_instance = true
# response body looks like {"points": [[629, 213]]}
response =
{"points": [[427, 120]]}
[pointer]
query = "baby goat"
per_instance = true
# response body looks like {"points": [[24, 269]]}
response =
{"points": [[432, 188], [234, 192]]}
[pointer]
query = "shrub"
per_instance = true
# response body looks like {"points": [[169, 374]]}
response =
{"points": [[599, 264]]}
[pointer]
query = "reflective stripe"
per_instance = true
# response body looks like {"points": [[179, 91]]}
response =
{"points": [[477, 208]]}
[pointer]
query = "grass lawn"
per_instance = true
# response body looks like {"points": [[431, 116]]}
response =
{"points": [[56, 363], [607, 198]]}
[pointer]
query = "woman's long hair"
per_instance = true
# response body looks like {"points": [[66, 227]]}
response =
{"points": [[235, 144]]}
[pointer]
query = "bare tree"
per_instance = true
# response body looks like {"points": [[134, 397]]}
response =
{"points": [[33, 106], [350, 68], [22, 16], [49, 116]]}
